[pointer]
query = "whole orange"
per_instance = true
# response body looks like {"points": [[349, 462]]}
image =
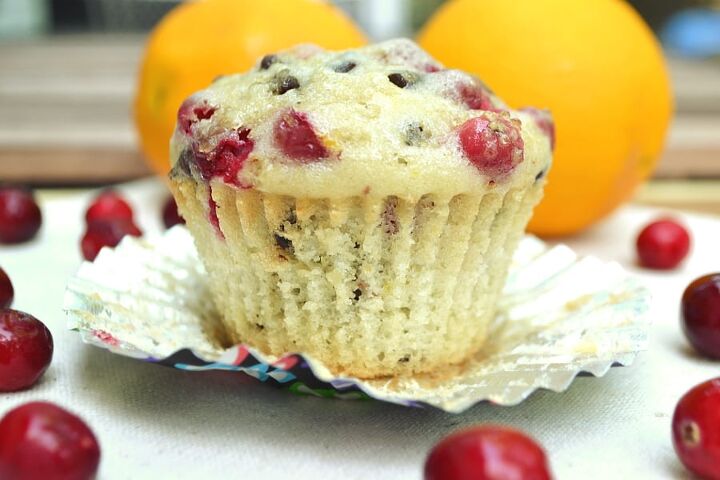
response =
{"points": [[197, 41], [595, 64]]}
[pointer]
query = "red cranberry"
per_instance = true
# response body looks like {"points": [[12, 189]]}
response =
{"points": [[663, 244], [487, 453], [109, 205], [191, 111], [228, 157], [103, 233], [476, 97], [701, 315], [26, 348], [39, 440], [296, 138], [696, 430], [493, 144], [6, 290], [20, 216], [170, 214]]}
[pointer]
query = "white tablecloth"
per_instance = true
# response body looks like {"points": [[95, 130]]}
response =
{"points": [[155, 422]]}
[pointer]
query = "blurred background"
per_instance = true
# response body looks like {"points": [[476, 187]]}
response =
{"points": [[68, 71]]}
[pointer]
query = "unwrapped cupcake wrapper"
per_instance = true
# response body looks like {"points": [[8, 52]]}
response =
{"points": [[558, 316]]}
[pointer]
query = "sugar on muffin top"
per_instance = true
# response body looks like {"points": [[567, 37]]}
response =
{"points": [[386, 119]]}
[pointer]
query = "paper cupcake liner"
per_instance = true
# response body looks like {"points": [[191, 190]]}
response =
{"points": [[370, 286], [559, 315]]}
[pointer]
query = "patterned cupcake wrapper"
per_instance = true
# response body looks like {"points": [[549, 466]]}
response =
{"points": [[559, 316]]}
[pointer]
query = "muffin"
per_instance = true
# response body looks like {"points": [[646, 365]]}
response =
{"points": [[360, 207]]}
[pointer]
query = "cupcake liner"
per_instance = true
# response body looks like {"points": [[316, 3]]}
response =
{"points": [[371, 286], [558, 316]]}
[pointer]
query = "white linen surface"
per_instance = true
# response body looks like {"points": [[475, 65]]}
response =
{"points": [[155, 422]]}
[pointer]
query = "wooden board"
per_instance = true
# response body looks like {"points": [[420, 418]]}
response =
{"points": [[65, 110], [65, 113]]}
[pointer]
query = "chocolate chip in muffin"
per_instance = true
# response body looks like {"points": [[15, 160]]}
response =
{"points": [[344, 67], [399, 80], [289, 219], [182, 166], [357, 293], [540, 175], [284, 82], [267, 61], [284, 243]]}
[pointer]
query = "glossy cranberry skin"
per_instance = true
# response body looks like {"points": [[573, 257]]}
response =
{"points": [[228, 157], [102, 233], [492, 144], [170, 214], [700, 315], [696, 430], [191, 111], [487, 453], [109, 205], [41, 441], [6, 290], [26, 349], [662, 245], [296, 138], [20, 216]]}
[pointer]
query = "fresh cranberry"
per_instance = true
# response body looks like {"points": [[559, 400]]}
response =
{"points": [[26, 348], [701, 315], [487, 453], [492, 143], [696, 430], [191, 111], [296, 138], [476, 97], [662, 245], [228, 157], [543, 119], [6, 290], [103, 233], [109, 205], [39, 440], [170, 214], [20, 216]]}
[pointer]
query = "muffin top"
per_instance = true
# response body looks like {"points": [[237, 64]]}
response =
{"points": [[386, 119]]}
